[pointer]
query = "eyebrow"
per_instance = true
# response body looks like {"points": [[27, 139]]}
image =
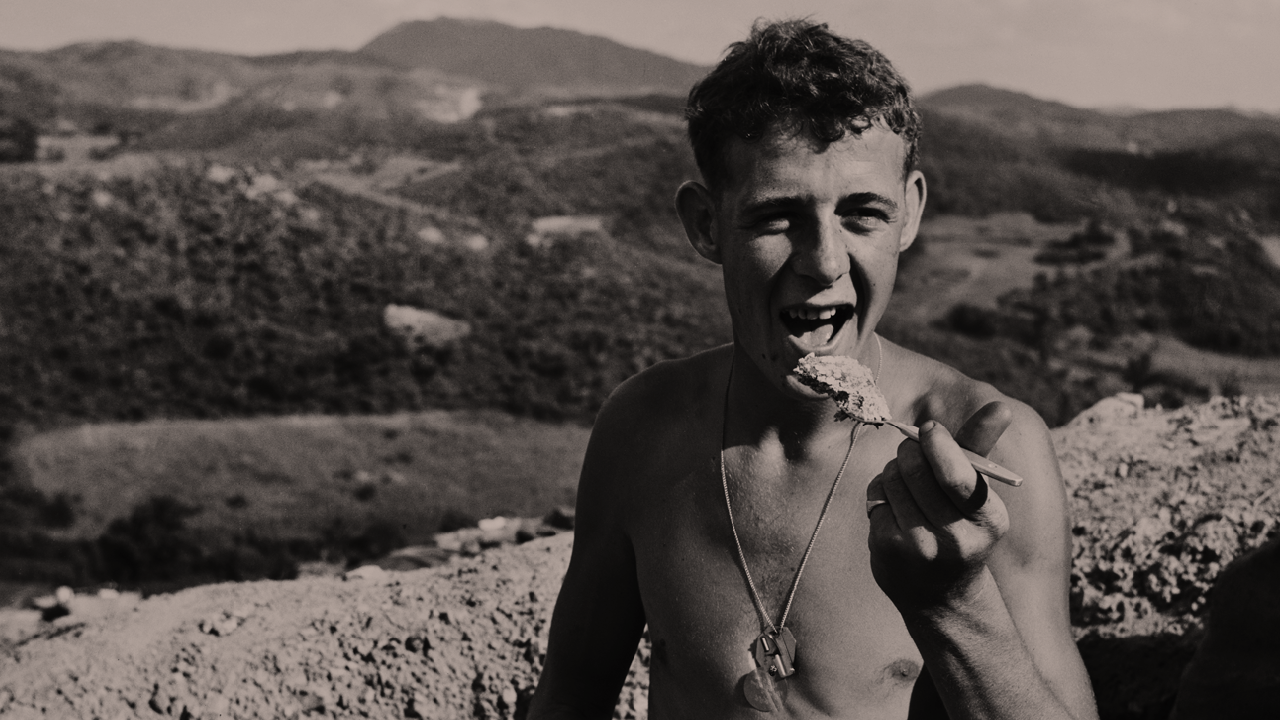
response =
{"points": [[788, 202], [863, 199]]}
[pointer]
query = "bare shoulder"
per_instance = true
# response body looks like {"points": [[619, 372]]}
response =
{"points": [[1037, 509], [941, 393], [673, 392], [647, 421]]}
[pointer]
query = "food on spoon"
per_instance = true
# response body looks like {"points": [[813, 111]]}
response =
{"points": [[850, 383]]}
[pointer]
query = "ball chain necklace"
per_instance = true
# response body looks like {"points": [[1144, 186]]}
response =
{"points": [[774, 650]]}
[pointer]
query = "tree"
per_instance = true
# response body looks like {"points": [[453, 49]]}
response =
{"points": [[17, 140]]}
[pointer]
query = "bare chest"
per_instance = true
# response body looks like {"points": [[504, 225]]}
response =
{"points": [[853, 653]]}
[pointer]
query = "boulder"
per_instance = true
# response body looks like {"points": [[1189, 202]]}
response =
{"points": [[423, 329], [1116, 407]]}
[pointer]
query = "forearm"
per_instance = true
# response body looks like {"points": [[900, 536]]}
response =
{"points": [[980, 664]]}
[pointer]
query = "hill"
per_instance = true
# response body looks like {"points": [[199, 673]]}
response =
{"points": [[1024, 117], [531, 60], [1160, 501], [131, 89], [435, 70]]}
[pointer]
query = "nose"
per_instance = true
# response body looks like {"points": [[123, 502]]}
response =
{"points": [[819, 252]]}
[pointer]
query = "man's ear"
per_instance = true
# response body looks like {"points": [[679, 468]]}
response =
{"points": [[697, 210], [916, 194]]}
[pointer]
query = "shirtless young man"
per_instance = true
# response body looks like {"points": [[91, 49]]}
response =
{"points": [[950, 594]]}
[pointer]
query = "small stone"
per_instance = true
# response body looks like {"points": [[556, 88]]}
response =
{"points": [[365, 572]]}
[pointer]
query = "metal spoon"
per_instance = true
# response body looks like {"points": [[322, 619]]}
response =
{"points": [[979, 463]]}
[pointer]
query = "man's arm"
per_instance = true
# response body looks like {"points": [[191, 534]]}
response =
{"points": [[598, 616], [982, 588]]}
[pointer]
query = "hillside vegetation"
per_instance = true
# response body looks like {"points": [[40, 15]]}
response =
{"points": [[233, 245]]}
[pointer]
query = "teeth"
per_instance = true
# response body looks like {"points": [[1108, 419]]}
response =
{"points": [[807, 313]]}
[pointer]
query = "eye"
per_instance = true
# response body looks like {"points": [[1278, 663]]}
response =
{"points": [[771, 225], [865, 220]]}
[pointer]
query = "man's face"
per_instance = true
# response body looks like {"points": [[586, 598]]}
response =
{"points": [[809, 237]]}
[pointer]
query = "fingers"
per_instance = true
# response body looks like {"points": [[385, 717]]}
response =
{"points": [[952, 471], [942, 483], [934, 520], [906, 514], [978, 500], [981, 431], [932, 485]]}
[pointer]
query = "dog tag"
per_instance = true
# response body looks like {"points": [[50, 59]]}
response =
{"points": [[758, 653], [785, 657], [758, 687]]}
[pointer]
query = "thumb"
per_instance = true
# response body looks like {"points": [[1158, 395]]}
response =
{"points": [[981, 431]]}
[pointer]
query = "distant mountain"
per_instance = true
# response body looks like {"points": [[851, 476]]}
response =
{"points": [[437, 69], [1052, 124], [532, 60], [62, 83], [987, 99]]}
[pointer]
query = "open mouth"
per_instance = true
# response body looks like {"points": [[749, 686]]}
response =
{"points": [[815, 326]]}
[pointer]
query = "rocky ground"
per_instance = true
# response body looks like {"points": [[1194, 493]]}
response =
{"points": [[1162, 501]]}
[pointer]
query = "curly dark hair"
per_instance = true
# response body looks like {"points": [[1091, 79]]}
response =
{"points": [[798, 76]]}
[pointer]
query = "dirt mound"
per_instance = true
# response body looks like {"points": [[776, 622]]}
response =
{"points": [[1162, 501], [465, 640]]}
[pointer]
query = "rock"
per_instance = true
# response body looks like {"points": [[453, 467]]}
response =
{"points": [[416, 557], [421, 329], [431, 235], [263, 185], [494, 524], [365, 572], [560, 518], [548, 229], [1119, 406], [220, 174], [449, 541], [220, 625]]}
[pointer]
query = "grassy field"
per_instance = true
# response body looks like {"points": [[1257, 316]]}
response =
{"points": [[300, 476], [972, 260], [1220, 373]]}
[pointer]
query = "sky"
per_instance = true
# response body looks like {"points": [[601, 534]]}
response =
{"points": [[1148, 54]]}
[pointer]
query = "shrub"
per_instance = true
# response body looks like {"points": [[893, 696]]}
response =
{"points": [[18, 140]]}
